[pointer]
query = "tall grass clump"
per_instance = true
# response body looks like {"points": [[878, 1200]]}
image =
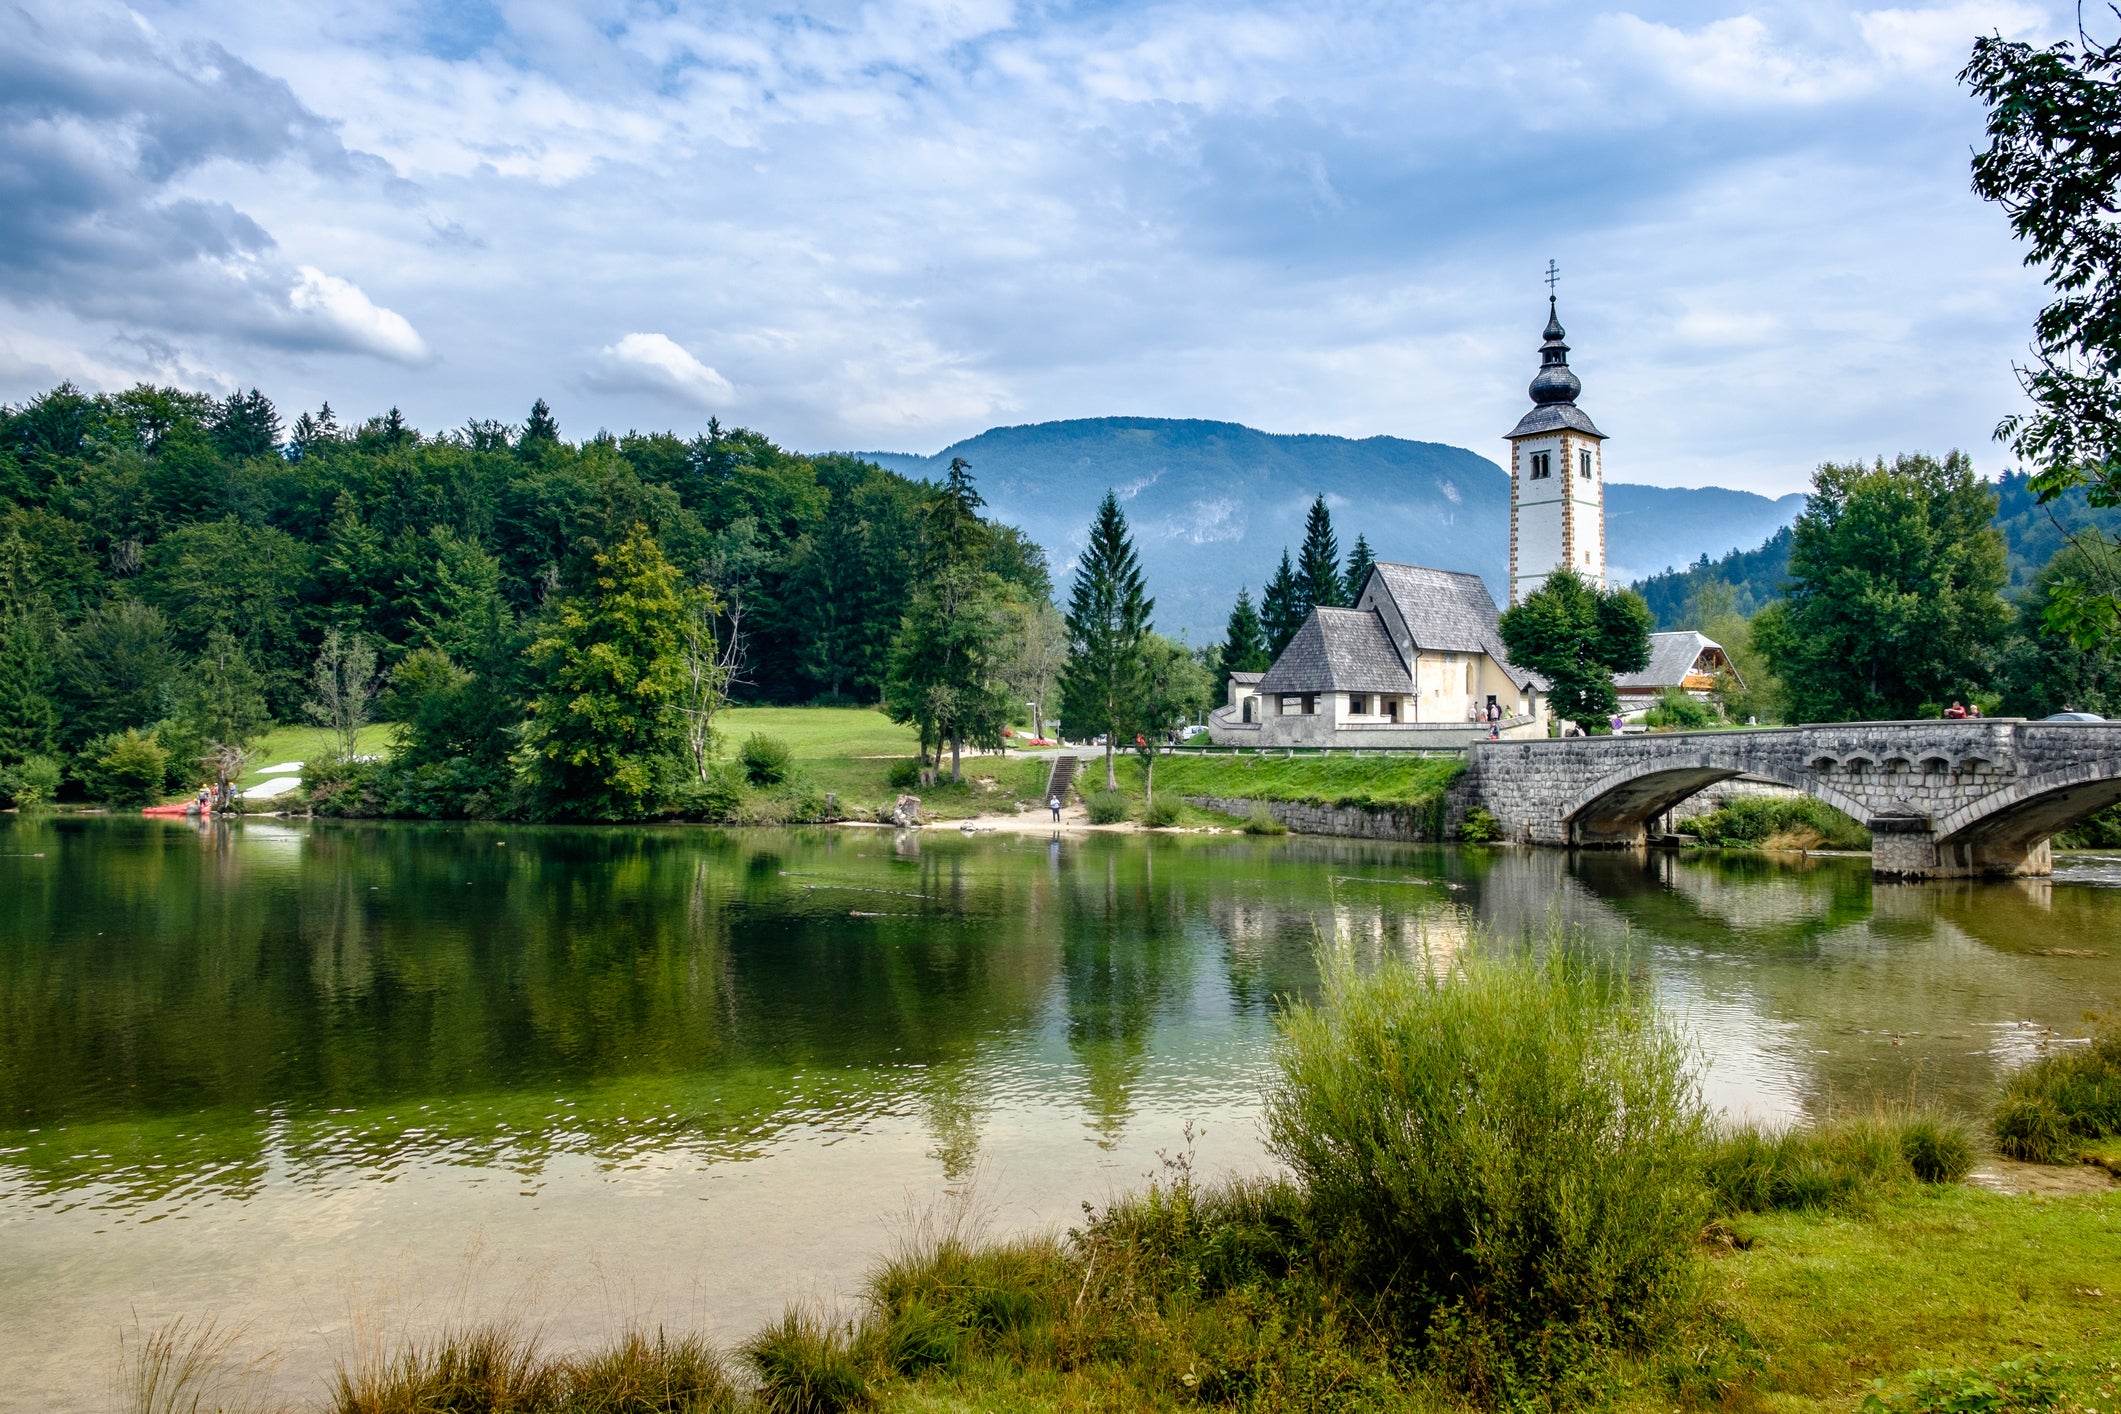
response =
{"points": [[1834, 1164], [2067, 1096], [1262, 822], [806, 1365], [190, 1368], [1504, 1154], [494, 1368], [643, 1376]]}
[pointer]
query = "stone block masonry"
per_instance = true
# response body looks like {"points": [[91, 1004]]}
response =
{"points": [[1352, 821]]}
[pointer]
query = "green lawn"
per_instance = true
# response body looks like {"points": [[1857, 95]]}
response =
{"points": [[284, 744], [1388, 781], [815, 732]]}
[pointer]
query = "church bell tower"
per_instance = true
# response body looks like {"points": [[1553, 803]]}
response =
{"points": [[1557, 474]]}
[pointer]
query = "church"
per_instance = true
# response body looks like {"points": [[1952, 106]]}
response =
{"points": [[1419, 660]]}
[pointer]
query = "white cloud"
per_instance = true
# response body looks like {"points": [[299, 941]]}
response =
{"points": [[656, 363], [343, 314]]}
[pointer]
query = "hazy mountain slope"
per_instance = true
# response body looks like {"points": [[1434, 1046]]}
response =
{"points": [[1213, 503]]}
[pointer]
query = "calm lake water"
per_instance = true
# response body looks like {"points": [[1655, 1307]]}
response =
{"points": [[339, 1080]]}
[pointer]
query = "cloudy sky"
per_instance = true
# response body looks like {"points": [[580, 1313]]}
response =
{"points": [[888, 225]]}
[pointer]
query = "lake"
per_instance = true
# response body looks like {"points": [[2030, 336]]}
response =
{"points": [[329, 1082]]}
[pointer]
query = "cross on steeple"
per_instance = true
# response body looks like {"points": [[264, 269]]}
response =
{"points": [[1553, 278]]}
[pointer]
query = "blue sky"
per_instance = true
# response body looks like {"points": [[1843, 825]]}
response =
{"points": [[892, 224]]}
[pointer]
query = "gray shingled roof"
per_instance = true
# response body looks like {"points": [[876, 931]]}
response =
{"points": [[1450, 612], [1339, 650], [1246, 677], [1672, 657], [1552, 417]]}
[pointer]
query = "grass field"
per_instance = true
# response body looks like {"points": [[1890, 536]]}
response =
{"points": [[284, 744], [816, 732], [1387, 781]]}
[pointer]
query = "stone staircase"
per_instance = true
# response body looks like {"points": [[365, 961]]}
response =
{"points": [[1064, 772]]}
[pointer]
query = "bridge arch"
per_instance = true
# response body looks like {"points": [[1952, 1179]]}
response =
{"points": [[1616, 808], [2033, 809]]}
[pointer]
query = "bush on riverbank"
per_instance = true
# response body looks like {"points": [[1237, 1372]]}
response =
{"points": [[1777, 822], [1834, 1164], [2049, 1109]]}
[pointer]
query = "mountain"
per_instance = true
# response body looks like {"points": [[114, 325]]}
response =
{"points": [[1213, 504]]}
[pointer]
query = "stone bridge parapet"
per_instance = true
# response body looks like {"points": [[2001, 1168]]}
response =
{"points": [[1941, 798]]}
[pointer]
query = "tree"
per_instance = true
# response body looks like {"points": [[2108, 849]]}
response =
{"points": [[29, 720], [540, 433], [1038, 651], [246, 425], [952, 532], [1280, 614], [948, 664], [117, 669], [2043, 669], [226, 708], [1318, 581], [1108, 614], [1173, 689], [1244, 647], [711, 662], [1578, 636], [343, 679], [604, 735], [2053, 164], [1755, 691], [1893, 606], [1360, 559]]}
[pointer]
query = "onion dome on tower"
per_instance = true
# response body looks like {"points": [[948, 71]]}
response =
{"points": [[1554, 387]]}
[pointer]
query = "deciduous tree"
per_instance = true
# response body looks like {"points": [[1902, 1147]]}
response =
{"points": [[1578, 636]]}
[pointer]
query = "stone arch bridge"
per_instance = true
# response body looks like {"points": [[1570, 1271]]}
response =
{"points": [[1943, 799]]}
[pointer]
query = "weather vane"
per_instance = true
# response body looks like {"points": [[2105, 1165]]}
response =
{"points": [[1553, 278]]}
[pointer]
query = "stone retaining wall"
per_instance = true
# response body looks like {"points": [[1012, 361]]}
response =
{"points": [[1354, 821]]}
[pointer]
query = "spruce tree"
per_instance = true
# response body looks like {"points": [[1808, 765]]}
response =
{"points": [[1318, 563], [1281, 608], [29, 723], [1360, 559], [1244, 639], [1108, 615]]}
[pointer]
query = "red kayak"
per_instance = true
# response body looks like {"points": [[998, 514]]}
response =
{"points": [[189, 807]]}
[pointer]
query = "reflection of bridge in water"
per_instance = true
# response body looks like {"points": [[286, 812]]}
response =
{"points": [[1942, 799]]}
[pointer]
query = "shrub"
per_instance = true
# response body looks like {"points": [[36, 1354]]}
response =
{"points": [[1160, 813], [1479, 827], [1505, 1155], [32, 781], [904, 775], [2066, 1096], [1107, 807], [719, 798], [2100, 831], [1778, 821], [805, 1366], [124, 768], [1262, 822], [340, 786], [1679, 710], [1832, 1165], [767, 760], [2027, 1386], [637, 1376]]}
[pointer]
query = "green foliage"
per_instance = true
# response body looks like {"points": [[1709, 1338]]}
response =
{"points": [[1751, 578], [2025, 1386], [806, 1365], [604, 738], [32, 781], [1578, 636], [1262, 822], [767, 760], [492, 1368], [1107, 618], [1161, 813], [643, 1376], [1679, 710], [2045, 669], [903, 775], [118, 668], [1503, 1152], [124, 768], [949, 664], [1318, 581], [456, 730], [1281, 608], [2053, 164], [2100, 831], [2070, 1095], [1833, 1165], [1244, 647], [1107, 807], [225, 700], [1360, 559], [1778, 822], [1893, 598], [1479, 827], [29, 720]]}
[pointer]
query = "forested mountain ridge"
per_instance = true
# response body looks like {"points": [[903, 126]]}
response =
{"points": [[1214, 503], [135, 527]]}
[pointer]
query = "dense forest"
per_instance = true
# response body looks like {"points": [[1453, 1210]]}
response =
{"points": [[177, 569]]}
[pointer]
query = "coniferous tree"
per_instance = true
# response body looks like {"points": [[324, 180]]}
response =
{"points": [[1244, 648], [1108, 614], [246, 425], [29, 721], [1318, 580], [949, 661], [541, 432], [1360, 559], [1281, 608]]}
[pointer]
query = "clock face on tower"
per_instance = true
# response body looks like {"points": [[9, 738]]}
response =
{"points": [[1557, 473]]}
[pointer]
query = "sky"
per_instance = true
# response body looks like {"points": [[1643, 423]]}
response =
{"points": [[890, 225]]}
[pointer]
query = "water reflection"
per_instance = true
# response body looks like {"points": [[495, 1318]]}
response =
{"points": [[314, 1025]]}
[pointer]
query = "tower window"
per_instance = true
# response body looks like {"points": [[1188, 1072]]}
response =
{"points": [[1586, 465], [1542, 465]]}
